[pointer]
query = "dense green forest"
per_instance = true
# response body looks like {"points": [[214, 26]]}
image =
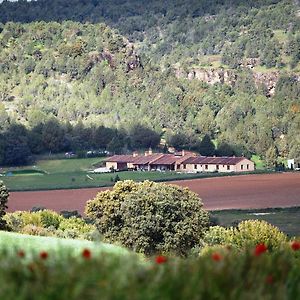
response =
{"points": [[117, 64]]}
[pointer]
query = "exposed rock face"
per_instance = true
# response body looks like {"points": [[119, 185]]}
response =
{"points": [[131, 59], [212, 76], [269, 80], [224, 76]]}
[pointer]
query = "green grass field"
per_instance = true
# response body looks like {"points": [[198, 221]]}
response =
{"points": [[73, 173], [286, 219]]}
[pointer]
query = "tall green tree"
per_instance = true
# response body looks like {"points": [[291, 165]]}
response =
{"points": [[143, 137], [206, 147], [3, 204], [16, 149], [53, 136], [271, 157]]}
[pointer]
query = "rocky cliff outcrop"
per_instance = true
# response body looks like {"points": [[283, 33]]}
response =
{"points": [[230, 77]]}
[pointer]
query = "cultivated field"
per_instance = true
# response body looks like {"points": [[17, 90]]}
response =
{"points": [[236, 192]]}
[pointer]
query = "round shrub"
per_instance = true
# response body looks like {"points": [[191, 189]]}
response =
{"points": [[217, 235], [50, 218], [254, 232], [3, 201], [150, 217]]}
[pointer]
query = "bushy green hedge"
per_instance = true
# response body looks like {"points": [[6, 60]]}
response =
{"points": [[252, 232], [50, 223], [247, 233], [149, 217]]}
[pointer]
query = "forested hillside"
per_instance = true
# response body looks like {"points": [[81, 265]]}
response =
{"points": [[186, 69]]}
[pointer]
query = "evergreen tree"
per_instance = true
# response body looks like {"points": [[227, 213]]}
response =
{"points": [[271, 157], [224, 149], [206, 147]]}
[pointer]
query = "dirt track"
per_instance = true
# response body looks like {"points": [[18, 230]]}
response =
{"points": [[248, 191]]}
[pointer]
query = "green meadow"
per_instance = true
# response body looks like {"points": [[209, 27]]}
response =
{"points": [[74, 173]]}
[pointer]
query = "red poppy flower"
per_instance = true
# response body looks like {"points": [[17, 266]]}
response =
{"points": [[31, 267], [44, 255], [86, 253], [216, 257], [295, 245], [260, 249], [269, 279], [21, 253], [160, 259]]}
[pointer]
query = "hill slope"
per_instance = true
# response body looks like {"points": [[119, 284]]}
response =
{"points": [[207, 68]]}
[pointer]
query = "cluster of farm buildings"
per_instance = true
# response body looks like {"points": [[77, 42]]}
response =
{"points": [[181, 162]]}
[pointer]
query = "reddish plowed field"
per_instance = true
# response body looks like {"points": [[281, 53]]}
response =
{"points": [[248, 191]]}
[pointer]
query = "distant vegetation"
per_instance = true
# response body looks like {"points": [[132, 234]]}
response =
{"points": [[113, 65]]}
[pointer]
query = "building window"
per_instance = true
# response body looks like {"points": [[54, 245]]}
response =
{"points": [[228, 167], [242, 167], [247, 167], [206, 167], [184, 166], [217, 167], [196, 167]]}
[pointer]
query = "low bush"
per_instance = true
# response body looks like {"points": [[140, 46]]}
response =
{"points": [[150, 217], [252, 232], [77, 228], [19, 219], [50, 218], [246, 234], [50, 223], [35, 230], [217, 235]]}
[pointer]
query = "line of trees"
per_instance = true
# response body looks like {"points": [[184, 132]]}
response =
{"points": [[18, 143]]}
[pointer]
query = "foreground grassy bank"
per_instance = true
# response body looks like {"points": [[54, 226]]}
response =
{"points": [[10, 242], [223, 273]]}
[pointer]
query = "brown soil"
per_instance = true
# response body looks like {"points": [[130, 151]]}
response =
{"points": [[236, 192]]}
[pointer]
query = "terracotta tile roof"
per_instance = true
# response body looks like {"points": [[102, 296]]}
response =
{"points": [[121, 158], [214, 160], [144, 160], [170, 159], [166, 159]]}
